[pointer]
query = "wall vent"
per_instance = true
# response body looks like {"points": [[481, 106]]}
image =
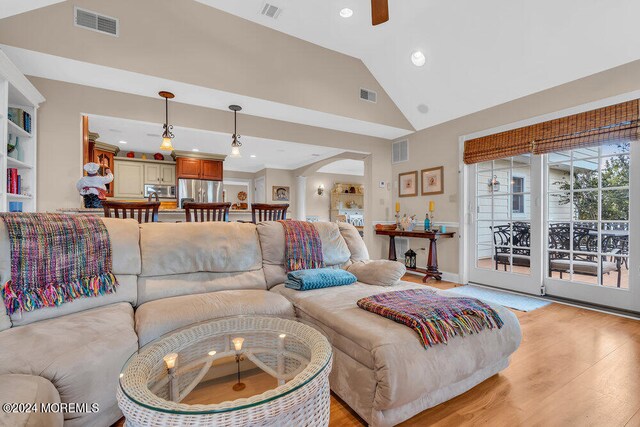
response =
{"points": [[95, 22], [271, 11], [400, 151], [368, 95]]}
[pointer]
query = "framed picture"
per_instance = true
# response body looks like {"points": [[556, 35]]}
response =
{"points": [[408, 184], [280, 193], [433, 181]]}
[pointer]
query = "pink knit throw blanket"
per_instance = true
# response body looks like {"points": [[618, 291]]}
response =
{"points": [[303, 248], [434, 317]]}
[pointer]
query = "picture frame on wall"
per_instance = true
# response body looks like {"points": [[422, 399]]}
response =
{"points": [[408, 184], [432, 181], [280, 193]]}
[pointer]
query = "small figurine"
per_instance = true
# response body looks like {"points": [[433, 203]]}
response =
{"points": [[92, 187]]}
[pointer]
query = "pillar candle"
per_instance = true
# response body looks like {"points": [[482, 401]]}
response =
{"points": [[432, 206], [397, 207]]}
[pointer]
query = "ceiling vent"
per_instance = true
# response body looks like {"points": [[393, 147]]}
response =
{"points": [[96, 22], [368, 95], [270, 11], [400, 151]]}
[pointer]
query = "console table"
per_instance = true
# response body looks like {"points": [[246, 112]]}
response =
{"points": [[432, 260]]}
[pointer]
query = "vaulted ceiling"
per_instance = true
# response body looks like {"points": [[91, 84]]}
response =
{"points": [[478, 53]]}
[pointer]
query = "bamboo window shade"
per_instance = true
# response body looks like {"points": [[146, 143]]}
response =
{"points": [[618, 122]]}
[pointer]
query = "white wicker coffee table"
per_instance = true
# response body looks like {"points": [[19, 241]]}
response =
{"points": [[190, 377]]}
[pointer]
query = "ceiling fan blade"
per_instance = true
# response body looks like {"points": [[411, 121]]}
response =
{"points": [[379, 11]]}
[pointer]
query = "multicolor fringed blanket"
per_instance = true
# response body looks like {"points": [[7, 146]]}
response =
{"points": [[303, 248], [55, 259], [434, 317]]}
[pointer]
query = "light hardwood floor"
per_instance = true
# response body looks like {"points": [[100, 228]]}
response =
{"points": [[575, 367]]}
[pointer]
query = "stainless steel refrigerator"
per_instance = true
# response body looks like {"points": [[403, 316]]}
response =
{"points": [[199, 190]]}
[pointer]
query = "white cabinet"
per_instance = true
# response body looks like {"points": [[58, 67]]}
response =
{"points": [[152, 173], [129, 179], [156, 173], [168, 174]]}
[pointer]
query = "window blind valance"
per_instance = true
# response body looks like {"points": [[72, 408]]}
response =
{"points": [[608, 124]]}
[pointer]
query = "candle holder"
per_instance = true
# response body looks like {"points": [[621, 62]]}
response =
{"points": [[237, 344], [171, 361]]}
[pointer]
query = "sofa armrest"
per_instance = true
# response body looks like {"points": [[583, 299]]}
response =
{"points": [[378, 272]]}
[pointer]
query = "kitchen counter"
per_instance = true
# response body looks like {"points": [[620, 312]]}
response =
{"points": [[164, 215]]}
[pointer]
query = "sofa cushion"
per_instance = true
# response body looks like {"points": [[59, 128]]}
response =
{"points": [[216, 247], [81, 354], [334, 248], [380, 272], [124, 236], [126, 291], [354, 242], [403, 368], [156, 318], [15, 388]]}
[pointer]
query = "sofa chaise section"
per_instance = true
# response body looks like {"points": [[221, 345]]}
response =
{"points": [[396, 376]]}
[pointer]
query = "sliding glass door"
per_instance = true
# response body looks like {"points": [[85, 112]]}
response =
{"points": [[565, 223], [504, 214], [590, 221]]}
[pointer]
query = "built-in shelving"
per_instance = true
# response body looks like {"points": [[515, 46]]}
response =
{"points": [[17, 130], [17, 92]]}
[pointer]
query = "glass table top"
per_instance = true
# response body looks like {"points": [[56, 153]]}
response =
{"points": [[224, 365]]}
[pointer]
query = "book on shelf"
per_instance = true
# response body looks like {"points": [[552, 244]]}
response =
{"points": [[15, 206], [20, 117], [14, 181]]}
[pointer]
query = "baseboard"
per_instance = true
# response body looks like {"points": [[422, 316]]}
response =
{"points": [[446, 276]]}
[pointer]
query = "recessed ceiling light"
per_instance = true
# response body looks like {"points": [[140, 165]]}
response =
{"points": [[315, 155], [346, 13], [122, 142], [418, 58], [194, 149], [115, 130], [253, 156], [423, 108]]}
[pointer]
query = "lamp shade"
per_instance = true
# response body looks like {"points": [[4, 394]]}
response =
{"points": [[166, 144]]}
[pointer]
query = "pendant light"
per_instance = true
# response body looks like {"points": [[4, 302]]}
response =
{"points": [[235, 143], [167, 135]]}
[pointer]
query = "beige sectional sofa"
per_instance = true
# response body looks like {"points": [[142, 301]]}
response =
{"points": [[173, 275]]}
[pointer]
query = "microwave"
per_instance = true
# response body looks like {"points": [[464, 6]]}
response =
{"points": [[163, 191]]}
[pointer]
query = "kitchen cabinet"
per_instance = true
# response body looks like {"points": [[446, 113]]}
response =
{"points": [[129, 179], [199, 169], [151, 173], [168, 174], [105, 160], [188, 168], [156, 173], [211, 169]]}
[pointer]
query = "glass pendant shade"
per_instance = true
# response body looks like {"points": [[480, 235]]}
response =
{"points": [[235, 152], [166, 144]]}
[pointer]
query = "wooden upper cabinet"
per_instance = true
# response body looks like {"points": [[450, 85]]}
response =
{"points": [[212, 169], [199, 169], [188, 168]]}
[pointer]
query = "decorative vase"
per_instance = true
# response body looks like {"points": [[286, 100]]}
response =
{"points": [[20, 151]]}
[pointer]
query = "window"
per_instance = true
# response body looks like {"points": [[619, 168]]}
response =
{"points": [[517, 188]]}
